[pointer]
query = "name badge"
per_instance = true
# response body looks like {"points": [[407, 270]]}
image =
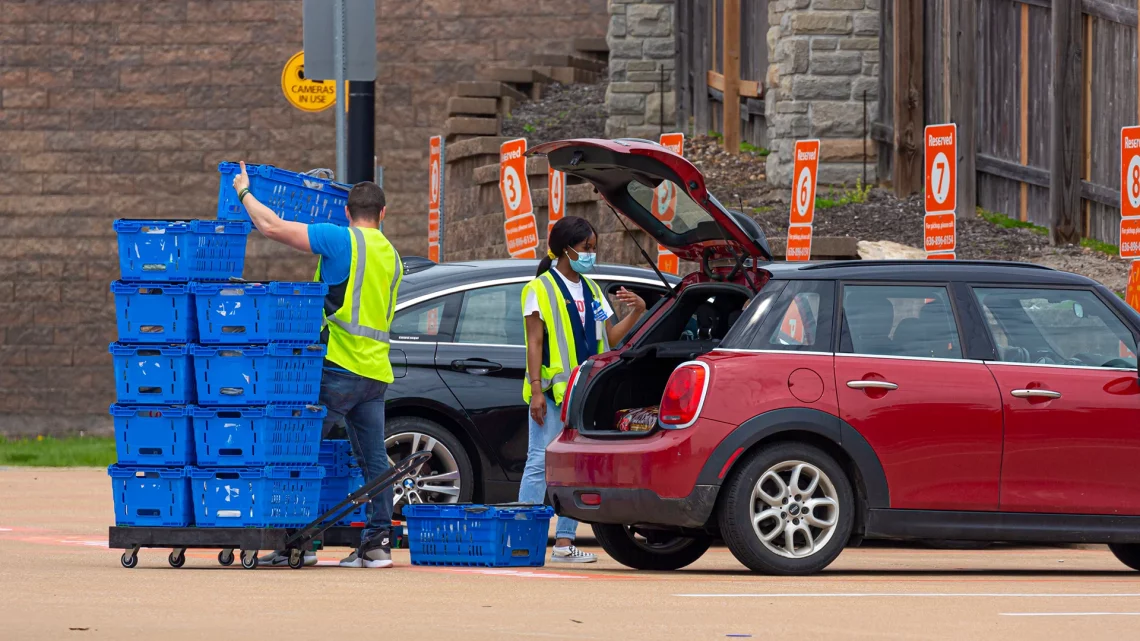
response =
{"points": [[599, 311]]}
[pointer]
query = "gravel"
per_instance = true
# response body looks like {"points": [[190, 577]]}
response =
{"points": [[565, 111]]}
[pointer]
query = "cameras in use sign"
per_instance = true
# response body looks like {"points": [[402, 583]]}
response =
{"points": [[520, 226], [940, 235]]}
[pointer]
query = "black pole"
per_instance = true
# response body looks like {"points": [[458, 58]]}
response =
{"points": [[361, 131], [864, 139]]}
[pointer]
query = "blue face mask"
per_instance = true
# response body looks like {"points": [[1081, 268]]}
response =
{"points": [[584, 264]]}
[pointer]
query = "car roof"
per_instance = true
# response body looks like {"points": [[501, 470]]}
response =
{"points": [[926, 270], [422, 277]]}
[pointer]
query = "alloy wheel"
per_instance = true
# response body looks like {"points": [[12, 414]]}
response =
{"points": [[794, 509], [436, 481]]}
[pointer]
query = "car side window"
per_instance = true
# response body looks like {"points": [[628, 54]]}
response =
{"points": [[492, 316], [1055, 327], [647, 293], [899, 320], [800, 320], [430, 320]]}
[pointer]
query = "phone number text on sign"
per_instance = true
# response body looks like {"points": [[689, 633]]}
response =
{"points": [[1130, 238], [522, 236], [940, 234]]}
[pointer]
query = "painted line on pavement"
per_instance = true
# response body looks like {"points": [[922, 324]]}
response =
{"points": [[1070, 614], [921, 595]]}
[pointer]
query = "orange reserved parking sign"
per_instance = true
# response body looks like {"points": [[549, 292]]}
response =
{"points": [[555, 198], [665, 205], [522, 236], [435, 194], [1130, 237], [673, 142], [805, 173], [799, 243], [941, 145], [943, 256], [1130, 172], [513, 185]]}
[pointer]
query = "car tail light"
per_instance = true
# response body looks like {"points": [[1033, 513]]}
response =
{"points": [[684, 395], [566, 396]]}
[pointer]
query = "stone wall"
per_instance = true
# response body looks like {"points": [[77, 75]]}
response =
{"points": [[123, 108], [642, 62], [824, 55]]}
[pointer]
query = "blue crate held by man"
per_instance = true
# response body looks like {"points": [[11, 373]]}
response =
{"points": [[151, 496], [153, 434], [258, 374], [181, 250], [478, 535], [272, 496], [244, 313], [154, 312], [278, 434], [338, 483], [153, 374], [292, 196]]}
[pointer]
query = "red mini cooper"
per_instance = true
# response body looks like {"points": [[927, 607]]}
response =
{"points": [[803, 407]]}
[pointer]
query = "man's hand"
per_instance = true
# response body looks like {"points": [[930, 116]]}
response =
{"points": [[241, 181]]}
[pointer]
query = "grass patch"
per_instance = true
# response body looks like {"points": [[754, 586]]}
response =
{"points": [[45, 451], [753, 149], [1001, 220], [846, 197], [762, 209], [529, 128], [1100, 246]]}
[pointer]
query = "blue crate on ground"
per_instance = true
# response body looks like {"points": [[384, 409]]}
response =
{"points": [[153, 435], [478, 535], [151, 496], [154, 312], [181, 250], [153, 374], [270, 435], [273, 496], [291, 195], [258, 374], [336, 486], [337, 455], [244, 313]]}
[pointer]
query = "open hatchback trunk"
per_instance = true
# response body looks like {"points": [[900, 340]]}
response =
{"points": [[616, 394]]}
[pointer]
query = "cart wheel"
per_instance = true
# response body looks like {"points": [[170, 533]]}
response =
{"points": [[177, 557], [129, 559], [249, 559], [226, 557], [296, 559]]}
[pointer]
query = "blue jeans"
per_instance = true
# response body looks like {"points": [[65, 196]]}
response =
{"points": [[358, 402], [532, 489]]}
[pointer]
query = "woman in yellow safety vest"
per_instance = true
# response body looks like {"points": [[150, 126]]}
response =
{"points": [[568, 319]]}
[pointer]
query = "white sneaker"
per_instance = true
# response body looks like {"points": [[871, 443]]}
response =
{"points": [[279, 557], [571, 554], [375, 558]]}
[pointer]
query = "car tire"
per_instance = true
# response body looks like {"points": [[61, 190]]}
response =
{"points": [[624, 546], [1127, 553], [761, 486], [449, 457]]}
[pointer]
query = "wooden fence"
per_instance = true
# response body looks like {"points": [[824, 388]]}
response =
{"points": [[700, 50], [1014, 127]]}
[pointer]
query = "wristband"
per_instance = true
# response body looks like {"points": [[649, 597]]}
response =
{"points": [[242, 194]]}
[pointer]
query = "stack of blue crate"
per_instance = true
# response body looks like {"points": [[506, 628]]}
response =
{"points": [[342, 477], [217, 419]]}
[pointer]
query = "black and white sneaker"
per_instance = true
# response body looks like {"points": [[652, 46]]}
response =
{"points": [[571, 554], [279, 558]]}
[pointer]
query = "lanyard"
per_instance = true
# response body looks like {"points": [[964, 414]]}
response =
{"points": [[585, 334]]}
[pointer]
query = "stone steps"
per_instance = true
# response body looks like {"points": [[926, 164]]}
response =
{"points": [[562, 60], [594, 48], [464, 106], [487, 89]]}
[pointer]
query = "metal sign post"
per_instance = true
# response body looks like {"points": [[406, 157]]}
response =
{"points": [[339, 71]]}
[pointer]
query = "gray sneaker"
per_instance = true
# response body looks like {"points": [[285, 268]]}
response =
{"points": [[374, 558], [280, 557], [571, 554]]}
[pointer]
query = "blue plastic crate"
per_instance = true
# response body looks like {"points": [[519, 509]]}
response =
{"points": [[271, 435], [291, 195], [151, 496], [153, 374], [336, 488], [154, 312], [258, 374], [274, 496], [244, 313], [478, 535], [153, 435], [181, 250], [336, 455]]}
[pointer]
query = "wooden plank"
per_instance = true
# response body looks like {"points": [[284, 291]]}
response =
{"points": [[882, 133], [1064, 166], [1040, 107], [1086, 143], [999, 85], [1037, 3], [963, 78], [732, 76], [701, 120], [1023, 108], [681, 80], [885, 118], [1010, 170], [1110, 11], [748, 88], [908, 125]]}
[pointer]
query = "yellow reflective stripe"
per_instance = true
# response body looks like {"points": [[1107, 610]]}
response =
{"points": [[554, 297], [353, 326]]}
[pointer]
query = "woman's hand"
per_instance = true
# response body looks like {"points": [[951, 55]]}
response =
{"points": [[634, 302], [537, 405]]}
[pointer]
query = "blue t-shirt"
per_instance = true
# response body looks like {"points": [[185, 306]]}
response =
{"points": [[333, 244]]}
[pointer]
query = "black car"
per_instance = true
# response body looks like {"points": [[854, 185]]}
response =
{"points": [[458, 355]]}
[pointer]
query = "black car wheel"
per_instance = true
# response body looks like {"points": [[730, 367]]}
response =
{"points": [[447, 477], [1127, 553], [660, 551], [788, 510]]}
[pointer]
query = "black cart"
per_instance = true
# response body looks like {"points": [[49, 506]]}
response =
{"points": [[249, 541]]}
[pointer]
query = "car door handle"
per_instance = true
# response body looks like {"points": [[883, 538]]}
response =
{"points": [[871, 385], [475, 366], [1034, 393]]}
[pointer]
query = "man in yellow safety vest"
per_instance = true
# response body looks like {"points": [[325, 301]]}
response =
{"points": [[363, 272]]}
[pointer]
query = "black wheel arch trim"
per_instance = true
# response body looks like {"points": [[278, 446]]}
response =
{"points": [[800, 419]]}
